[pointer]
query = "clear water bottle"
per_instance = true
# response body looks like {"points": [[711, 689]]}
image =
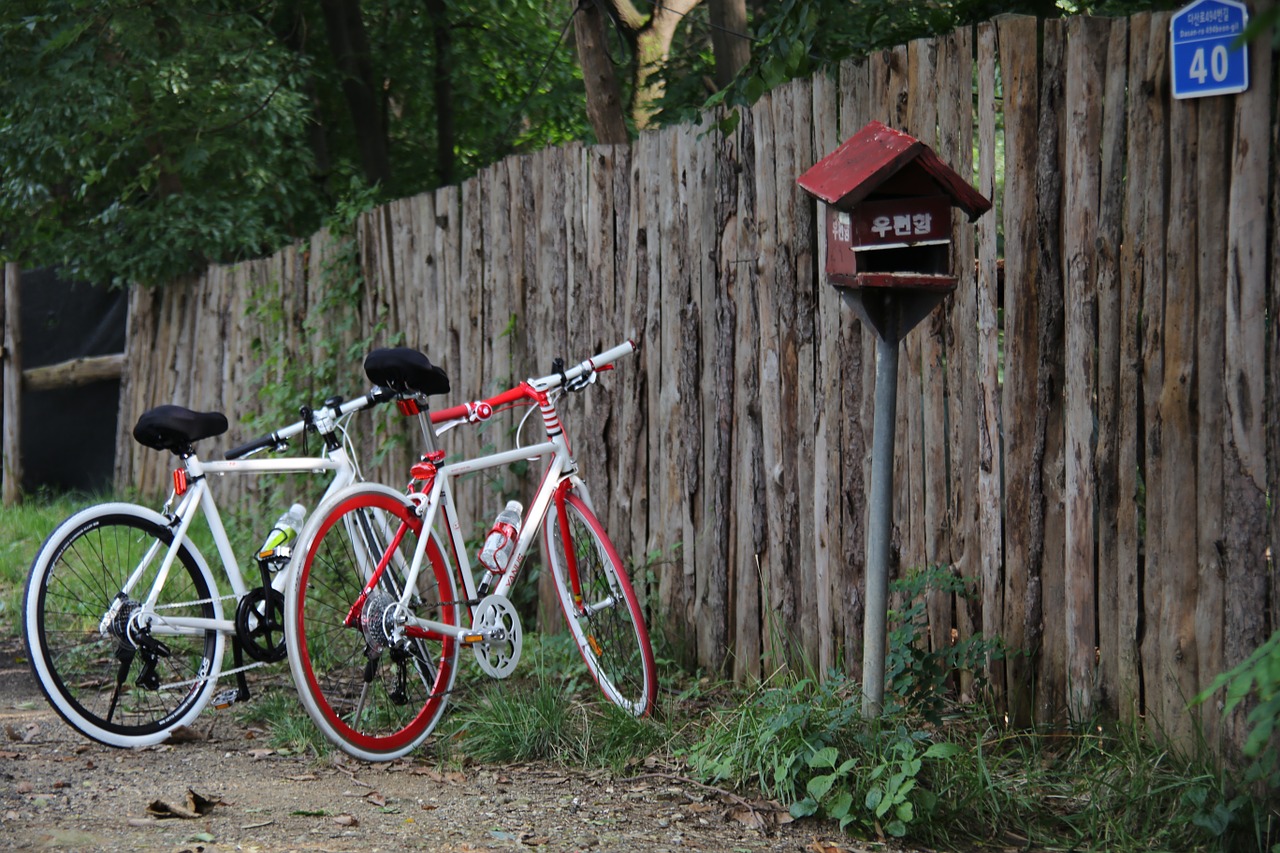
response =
{"points": [[285, 530], [501, 541]]}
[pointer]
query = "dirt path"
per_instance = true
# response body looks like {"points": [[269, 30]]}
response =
{"points": [[59, 791]]}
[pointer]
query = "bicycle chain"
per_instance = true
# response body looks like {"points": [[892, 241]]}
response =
{"points": [[221, 673]]}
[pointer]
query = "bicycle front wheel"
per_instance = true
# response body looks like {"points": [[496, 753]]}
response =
{"points": [[600, 606], [113, 676], [375, 688]]}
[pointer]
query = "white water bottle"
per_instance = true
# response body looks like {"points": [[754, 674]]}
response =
{"points": [[502, 537], [284, 531]]}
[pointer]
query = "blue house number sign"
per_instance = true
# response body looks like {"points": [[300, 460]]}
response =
{"points": [[1207, 54]]}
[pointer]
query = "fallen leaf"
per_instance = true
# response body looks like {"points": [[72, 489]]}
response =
{"points": [[185, 734], [376, 798], [763, 817], [534, 840], [345, 820], [303, 777], [194, 807], [258, 754]]}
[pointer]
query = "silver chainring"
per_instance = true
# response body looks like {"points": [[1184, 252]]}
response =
{"points": [[497, 620]]}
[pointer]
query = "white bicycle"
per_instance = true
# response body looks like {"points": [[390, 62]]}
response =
{"points": [[124, 622], [381, 596]]}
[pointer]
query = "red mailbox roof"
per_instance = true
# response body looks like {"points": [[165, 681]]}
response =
{"points": [[875, 154]]}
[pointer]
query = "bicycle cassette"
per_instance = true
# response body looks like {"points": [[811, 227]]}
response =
{"points": [[499, 651]]}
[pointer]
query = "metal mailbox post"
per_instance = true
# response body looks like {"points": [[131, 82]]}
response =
{"points": [[888, 201]]}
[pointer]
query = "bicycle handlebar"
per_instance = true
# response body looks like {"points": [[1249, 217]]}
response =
{"points": [[598, 361], [375, 396], [482, 409]]}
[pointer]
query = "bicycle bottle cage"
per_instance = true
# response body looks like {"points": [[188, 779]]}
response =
{"points": [[176, 428], [405, 370]]}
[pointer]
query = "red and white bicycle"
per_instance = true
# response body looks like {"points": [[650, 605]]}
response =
{"points": [[380, 603]]}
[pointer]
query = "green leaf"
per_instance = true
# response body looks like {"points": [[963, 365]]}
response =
{"points": [[825, 757], [819, 785], [943, 750], [804, 808], [839, 806]]}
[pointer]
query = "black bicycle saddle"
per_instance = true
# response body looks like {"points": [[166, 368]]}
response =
{"points": [[405, 370], [176, 428]]}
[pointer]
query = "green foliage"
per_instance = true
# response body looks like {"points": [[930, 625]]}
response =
{"points": [[796, 38], [920, 670], [1257, 677], [807, 745], [141, 141], [552, 711]]}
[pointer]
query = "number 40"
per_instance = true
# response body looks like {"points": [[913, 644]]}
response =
{"points": [[1217, 63]]}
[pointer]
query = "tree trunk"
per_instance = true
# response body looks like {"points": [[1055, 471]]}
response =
{"points": [[604, 97], [653, 47], [351, 55], [729, 39], [442, 79]]}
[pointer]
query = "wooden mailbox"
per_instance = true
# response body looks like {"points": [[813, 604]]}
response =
{"points": [[888, 202], [888, 225]]}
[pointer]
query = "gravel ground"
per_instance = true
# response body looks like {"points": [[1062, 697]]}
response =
{"points": [[221, 788]]}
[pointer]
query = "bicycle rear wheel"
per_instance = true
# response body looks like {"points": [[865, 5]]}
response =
{"points": [[113, 679], [372, 691], [600, 606]]}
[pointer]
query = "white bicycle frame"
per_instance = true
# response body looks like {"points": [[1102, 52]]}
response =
{"points": [[198, 498], [561, 466]]}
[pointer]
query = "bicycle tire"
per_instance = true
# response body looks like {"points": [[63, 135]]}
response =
{"points": [[375, 702], [606, 621], [95, 675]]}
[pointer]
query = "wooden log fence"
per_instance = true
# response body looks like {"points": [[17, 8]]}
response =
{"points": [[1083, 425]]}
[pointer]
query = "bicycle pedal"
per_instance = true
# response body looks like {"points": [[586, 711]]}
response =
{"points": [[226, 698]]}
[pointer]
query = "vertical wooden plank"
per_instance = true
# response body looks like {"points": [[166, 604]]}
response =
{"points": [[1111, 402], [1085, 63], [924, 366], [771, 377], [636, 413], [1172, 539], [651, 159], [11, 381], [1141, 141], [1212, 174], [711, 516], [1166, 360], [796, 231], [1153, 185], [857, 358], [989, 453], [748, 500], [908, 65], [827, 482], [1272, 400], [1049, 380], [1244, 459], [961, 403], [681, 287], [1020, 629], [595, 407]]}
